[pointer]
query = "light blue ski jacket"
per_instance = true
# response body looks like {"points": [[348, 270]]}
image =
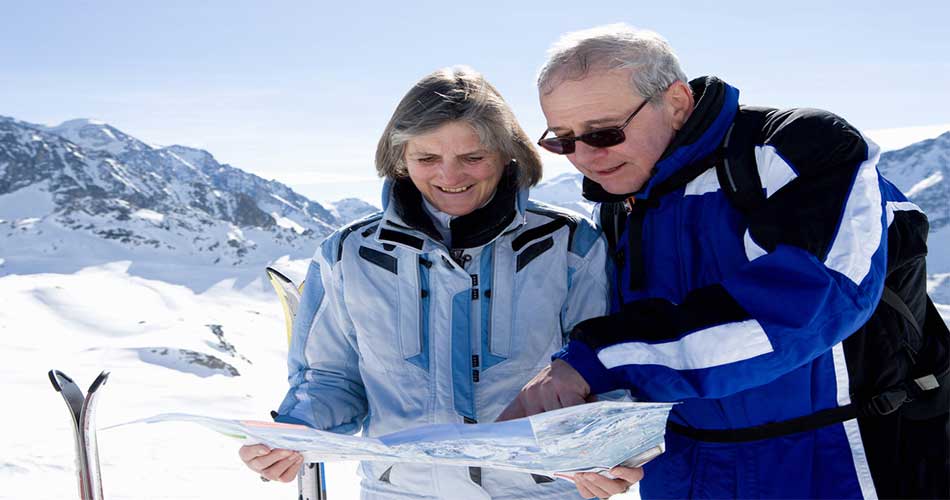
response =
{"points": [[394, 331]]}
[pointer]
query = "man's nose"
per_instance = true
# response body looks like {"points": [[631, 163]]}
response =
{"points": [[586, 155]]}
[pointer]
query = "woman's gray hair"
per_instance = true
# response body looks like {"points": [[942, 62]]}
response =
{"points": [[457, 94], [613, 46]]}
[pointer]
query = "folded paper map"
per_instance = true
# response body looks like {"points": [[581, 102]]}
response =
{"points": [[589, 437]]}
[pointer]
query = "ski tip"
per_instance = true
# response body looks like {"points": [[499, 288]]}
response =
{"points": [[55, 376], [273, 273], [100, 381]]}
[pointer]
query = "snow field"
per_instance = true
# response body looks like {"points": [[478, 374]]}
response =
{"points": [[103, 318]]}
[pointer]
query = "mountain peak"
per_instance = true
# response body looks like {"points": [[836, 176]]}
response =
{"points": [[79, 122], [97, 135]]}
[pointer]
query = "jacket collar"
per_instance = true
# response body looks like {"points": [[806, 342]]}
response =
{"points": [[716, 105], [404, 213]]}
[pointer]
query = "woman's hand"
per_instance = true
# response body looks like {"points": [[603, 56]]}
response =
{"points": [[274, 465], [592, 484]]}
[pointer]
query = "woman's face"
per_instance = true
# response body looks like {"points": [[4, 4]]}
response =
{"points": [[452, 169]]}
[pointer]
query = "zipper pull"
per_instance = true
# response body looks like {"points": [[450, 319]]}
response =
{"points": [[628, 204]]}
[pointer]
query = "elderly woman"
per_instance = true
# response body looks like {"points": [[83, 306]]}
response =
{"points": [[440, 308]]}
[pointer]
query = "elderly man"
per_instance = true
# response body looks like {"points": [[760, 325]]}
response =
{"points": [[750, 250]]}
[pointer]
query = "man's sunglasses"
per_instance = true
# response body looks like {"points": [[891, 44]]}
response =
{"points": [[600, 138]]}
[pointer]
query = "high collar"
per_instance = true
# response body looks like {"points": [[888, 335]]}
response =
{"points": [[403, 207], [716, 105]]}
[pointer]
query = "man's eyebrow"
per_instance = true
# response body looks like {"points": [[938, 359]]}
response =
{"points": [[603, 121], [589, 125]]}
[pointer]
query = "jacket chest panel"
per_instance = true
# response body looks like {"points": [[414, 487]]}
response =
{"points": [[417, 312], [687, 242]]}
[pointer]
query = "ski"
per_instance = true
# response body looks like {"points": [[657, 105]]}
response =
{"points": [[82, 409], [311, 481]]}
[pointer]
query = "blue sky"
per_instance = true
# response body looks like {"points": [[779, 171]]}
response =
{"points": [[299, 91]]}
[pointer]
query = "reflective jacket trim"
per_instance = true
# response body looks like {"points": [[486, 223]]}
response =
{"points": [[859, 458], [706, 348], [854, 246]]}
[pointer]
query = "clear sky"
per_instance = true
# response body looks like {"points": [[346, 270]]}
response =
{"points": [[299, 91]]}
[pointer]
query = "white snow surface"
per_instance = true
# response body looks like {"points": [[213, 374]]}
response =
{"points": [[933, 180], [149, 335], [31, 201], [150, 215], [288, 223]]}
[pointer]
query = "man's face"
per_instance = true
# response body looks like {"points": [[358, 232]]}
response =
{"points": [[605, 99]]}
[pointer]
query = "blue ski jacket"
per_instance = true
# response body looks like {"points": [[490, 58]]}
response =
{"points": [[741, 318], [395, 330]]}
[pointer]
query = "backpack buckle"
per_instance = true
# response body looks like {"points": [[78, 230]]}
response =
{"points": [[888, 402]]}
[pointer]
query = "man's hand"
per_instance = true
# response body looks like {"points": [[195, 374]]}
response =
{"points": [[274, 465], [557, 386], [591, 484]]}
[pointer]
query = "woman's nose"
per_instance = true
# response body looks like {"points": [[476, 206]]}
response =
{"points": [[452, 172]]}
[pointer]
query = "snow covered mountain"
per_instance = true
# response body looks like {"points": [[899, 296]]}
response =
{"points": [[84, 193], [349, 209], [922, 172]]}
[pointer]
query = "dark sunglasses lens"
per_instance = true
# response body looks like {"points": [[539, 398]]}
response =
{"points": [[603, 138], [558, 145]]}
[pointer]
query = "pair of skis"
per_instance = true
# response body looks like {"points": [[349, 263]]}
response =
{"points": [[82, 409], [311, 481]]}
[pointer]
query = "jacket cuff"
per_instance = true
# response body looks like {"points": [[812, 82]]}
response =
{"points": [[583, 359], [287, 419]]}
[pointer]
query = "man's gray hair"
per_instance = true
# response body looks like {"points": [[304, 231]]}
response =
{"points": [[613, 46], [457, 94]]}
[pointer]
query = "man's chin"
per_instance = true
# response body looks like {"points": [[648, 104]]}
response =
{"points": [[619, 188]]}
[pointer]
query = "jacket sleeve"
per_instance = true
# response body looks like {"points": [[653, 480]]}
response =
{"points": [[326, 389], [587, 294], [816, 261]]}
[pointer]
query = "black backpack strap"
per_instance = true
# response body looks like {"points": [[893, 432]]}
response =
{"points": [[738, 172], [891, 298]]}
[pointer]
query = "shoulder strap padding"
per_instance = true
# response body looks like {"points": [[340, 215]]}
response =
{"points": [[738, 172]]}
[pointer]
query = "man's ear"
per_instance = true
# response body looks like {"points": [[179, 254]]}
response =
{"points": [[679, 100]]}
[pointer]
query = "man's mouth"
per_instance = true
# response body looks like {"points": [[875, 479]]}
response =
{"points": [[606, 172], [454, 190]]}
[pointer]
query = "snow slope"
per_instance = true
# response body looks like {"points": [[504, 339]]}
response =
{"points": [[159, 341]]}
